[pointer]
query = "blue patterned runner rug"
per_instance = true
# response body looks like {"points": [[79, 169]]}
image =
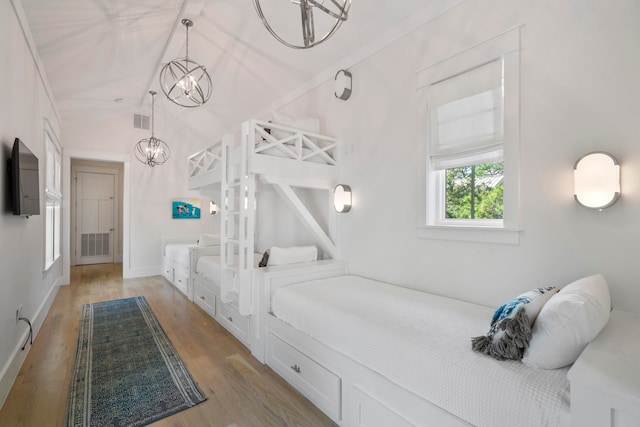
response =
{"points": [[126, 372]]}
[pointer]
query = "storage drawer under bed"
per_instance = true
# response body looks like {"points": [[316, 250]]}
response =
{"points": [[316, 382], [234, 322], [205, 298]]}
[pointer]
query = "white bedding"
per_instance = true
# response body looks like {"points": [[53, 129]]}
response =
{"points": [[179, 252], [421, 342], [208, 266]]}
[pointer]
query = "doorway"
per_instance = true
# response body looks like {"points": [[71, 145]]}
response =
{"points": [[96, 212]]}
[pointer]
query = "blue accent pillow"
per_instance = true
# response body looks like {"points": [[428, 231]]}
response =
{"points": [[510, 330]]}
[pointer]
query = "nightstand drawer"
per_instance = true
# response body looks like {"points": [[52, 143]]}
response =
{"points": [[204, 298], [316, 382]]}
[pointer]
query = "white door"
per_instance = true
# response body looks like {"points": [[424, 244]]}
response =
{"points": [[94, 217]]}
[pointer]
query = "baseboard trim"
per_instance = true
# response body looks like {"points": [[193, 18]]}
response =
{"points": [[11, 369]]}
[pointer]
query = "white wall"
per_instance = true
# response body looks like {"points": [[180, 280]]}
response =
{"points": [[24, 107], [580, 64]]}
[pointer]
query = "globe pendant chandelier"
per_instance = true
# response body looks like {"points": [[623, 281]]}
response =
{"points": [[184, 81], [336, 11], [152, 151]]}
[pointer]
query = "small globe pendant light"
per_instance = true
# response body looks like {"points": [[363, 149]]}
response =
{"points": [[152, 151], [184, 81]]}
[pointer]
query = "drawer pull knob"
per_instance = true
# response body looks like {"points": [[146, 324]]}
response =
{"points": [[202, 297], [296, 369], [230, 319]]}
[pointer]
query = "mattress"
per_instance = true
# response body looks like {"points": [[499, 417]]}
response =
{"points": [[208, 266], [178, 252], [422, 342]]}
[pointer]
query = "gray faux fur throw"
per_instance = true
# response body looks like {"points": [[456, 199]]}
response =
{"points": [[511, 344]]}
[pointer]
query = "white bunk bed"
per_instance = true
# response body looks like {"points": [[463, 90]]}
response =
{"points": [[177, 253], [267, 153]]}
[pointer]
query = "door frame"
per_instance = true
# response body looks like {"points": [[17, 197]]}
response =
{"points": [[66, 206], [74, 207]]}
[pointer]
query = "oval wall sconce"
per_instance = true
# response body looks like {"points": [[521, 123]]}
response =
{"points": [[342, 198], [596, 180], [343, 84]]}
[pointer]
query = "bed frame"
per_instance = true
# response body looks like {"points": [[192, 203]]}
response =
{"points": [[231, 170]]}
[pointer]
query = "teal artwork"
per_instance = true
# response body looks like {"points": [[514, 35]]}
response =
{"points": [[185, 209]]}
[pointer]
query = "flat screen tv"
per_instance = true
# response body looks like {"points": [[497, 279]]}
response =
{"points": [[25, 183]]}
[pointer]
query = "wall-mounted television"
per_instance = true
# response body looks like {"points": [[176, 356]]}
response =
{"points": [[25, 182]]}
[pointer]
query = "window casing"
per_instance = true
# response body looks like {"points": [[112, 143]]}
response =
{"points": [[469, 117], [53, 198]]}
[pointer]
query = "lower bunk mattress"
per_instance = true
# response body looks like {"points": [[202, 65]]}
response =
{"points": [[422, 342], [209, 267], [178, 252]]}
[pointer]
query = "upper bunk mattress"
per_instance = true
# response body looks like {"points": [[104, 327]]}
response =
{"points": [[178, 252], [422, 342]]}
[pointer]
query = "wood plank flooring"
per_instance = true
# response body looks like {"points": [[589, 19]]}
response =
{"points": [[240, 390]]}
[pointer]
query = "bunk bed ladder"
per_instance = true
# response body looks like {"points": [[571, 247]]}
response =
{"points": [[237, 227]]}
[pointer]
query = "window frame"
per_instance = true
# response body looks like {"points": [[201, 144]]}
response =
{"points": [[505, 47], [52, 197]]}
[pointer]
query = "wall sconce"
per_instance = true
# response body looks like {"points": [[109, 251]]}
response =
{"points": [[342, 198], [343, 84], [596, 180], [213, 208]]}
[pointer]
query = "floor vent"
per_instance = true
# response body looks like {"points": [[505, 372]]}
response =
{"points": [[140, 121], [95, 244]]}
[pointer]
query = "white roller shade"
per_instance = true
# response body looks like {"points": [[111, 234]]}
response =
{"points": [[466, 115]]}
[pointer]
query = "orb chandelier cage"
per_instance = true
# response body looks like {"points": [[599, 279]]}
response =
{"points": [[184, 81], [340, 14], [152, 151]]}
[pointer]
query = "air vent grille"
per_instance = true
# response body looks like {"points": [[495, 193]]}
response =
{"points": [[140, 121]]}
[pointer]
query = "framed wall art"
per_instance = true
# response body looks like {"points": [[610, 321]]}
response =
{"points": [[185, 209]]}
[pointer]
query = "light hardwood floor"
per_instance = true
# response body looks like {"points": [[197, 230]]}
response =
{"points": [[240, 390]]}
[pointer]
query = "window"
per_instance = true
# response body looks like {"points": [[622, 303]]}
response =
{"points": [[470, 108], [53, 197]]}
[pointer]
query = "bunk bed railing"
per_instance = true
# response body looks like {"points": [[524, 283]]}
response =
{"points": [[206, 160], [293, 144]]}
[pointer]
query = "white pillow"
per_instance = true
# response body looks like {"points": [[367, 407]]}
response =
{"points": [[292, 255], [310, 124], [568, 322], [208, 240]]}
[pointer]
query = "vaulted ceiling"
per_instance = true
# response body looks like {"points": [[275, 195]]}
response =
{"points": [[102, 55]]}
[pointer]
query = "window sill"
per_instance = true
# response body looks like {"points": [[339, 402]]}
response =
{"points": [[508, 236]]}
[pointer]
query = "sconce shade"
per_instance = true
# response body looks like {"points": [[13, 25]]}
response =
{"points": [[597, 180], [343, 84], [342, 198]]}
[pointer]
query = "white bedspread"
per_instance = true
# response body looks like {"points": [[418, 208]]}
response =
{"points": [[179, 252], [422, 342], [208, 266]]}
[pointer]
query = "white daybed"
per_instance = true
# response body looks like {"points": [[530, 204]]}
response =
{"points": [[269, 154], [176, 261], [372, 354]]}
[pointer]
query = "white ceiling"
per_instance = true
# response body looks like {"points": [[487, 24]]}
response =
{"points": [[95, 52]]}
